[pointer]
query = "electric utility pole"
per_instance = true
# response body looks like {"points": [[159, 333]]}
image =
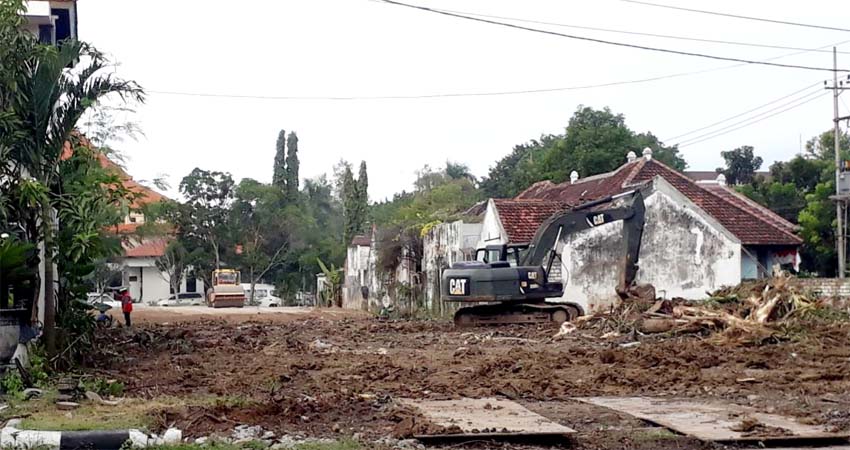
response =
{"points": [[840, 197]]}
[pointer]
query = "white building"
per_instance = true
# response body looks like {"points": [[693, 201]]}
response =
{"points": [[444, 245], [698, 237], [52, 21], [140, 274]]}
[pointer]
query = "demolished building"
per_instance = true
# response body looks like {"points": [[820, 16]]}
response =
{"points": [[698, 237]]}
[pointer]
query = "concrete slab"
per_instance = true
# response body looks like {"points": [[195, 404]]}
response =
{"points": [[715, 422], [486, 418]]}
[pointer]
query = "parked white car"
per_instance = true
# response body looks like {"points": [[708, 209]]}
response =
{"points": [[183, 299], [95, 298], [263, 295], [269, 301]]}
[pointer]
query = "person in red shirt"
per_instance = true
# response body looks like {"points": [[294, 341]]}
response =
{"points": [[126, 305]]}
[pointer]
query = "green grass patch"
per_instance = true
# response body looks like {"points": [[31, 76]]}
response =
{"points": [[42, 414]]}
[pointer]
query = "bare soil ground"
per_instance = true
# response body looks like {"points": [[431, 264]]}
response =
{"points": [[329, 373], [182, 314]]}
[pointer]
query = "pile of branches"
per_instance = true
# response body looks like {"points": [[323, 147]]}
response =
{"points": [[753, 308]]}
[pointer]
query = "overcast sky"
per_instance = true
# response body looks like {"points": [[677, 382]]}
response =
{"points": [[367, 48]]}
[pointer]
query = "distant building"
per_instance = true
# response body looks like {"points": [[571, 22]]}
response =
{"points": [[52, 21], [139, 272]]}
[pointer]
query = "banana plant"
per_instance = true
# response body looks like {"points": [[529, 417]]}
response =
{"points": [[333, 277]]}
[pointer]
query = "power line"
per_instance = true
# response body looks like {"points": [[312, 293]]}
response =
{"points": [[754, 122], [439, 95], [737, 16], [478, 94], [744, 113], [638, 33], [809, 95], [603, 41]]}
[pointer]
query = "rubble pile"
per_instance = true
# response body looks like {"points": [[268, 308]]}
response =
{"points": [[751, 307]]}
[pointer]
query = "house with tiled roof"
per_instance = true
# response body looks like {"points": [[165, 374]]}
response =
{"points": [[698, 236], [139, 272]]}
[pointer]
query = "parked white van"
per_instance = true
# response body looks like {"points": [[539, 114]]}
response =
{"points": [[263, 295]]}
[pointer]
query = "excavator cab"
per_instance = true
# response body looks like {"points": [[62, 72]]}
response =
{"points": [[502, 255]]}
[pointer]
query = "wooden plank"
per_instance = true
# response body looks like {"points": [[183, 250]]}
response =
{"points": [[715, 422], [839, 447], [485, 418]]}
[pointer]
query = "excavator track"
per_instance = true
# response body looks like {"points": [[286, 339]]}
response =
{"points": [[506, 313]]}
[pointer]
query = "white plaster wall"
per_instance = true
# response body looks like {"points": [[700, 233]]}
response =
{"points": [[684, 253], [444, 245], [155, 285], [492, 232]]}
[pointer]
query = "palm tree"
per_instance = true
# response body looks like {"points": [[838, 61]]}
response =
{"points": [[57, 86]]}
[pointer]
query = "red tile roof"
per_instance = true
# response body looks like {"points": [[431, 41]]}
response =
{"points": [[146, 195], [148, 248], [361, 240], [124, 228], [751, 206], [521, 218], [749, 222]]}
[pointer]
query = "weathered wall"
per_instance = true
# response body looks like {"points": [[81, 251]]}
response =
{"points": [[492, 232], [444, 245], [833, 288], [684, 253], [356, 275]]}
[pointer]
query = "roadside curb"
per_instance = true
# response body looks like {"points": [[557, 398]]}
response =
{"points": [[13, 437]]}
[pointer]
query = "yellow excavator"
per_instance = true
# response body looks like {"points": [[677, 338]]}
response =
{"points": [[226, 290]]}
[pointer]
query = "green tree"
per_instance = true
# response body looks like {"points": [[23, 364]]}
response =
{"points": [[595, 141], [668, 155], [362, 187], [49, 90], [203, 219], [279, 176], [324, 236], [823, 146], [264, 229], [292, 166], [355, 199], [592, 138], [518, 170], [350, 203], [799, 191], [817, 228], [172, 263], [458, 171], [804, 172], [741, 165]]}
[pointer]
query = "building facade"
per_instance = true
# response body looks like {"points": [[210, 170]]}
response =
{"points": [[51, 21], [698, 237]]}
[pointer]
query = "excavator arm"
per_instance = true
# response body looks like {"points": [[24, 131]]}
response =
{"points": [[631, 212]]}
